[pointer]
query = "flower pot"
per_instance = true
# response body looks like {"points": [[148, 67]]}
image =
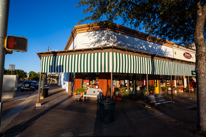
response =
{"points": [[151, 92]]}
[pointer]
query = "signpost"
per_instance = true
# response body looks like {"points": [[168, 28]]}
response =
{"points": [[11, 68], [4, 12], [7, 43]]}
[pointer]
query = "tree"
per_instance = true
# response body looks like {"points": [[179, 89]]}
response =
{"points": [[182, 20], [20, 73], [33, 75]]}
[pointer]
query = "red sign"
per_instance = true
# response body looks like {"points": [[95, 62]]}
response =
{"points": [[187, 55]]}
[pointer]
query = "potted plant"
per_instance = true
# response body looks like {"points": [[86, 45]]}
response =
{"points": [[75, 93], [123, 93], [178, 90], [164, 88], [80, 91], [151, 89], [144, 91]]}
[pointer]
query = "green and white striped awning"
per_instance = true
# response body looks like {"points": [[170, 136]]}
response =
{"points": [[113, 62]]}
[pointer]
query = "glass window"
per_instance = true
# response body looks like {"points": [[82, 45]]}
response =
{"points": [[90, 81], [179, 81]]}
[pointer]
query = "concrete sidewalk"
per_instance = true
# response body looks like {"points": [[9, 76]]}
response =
{"points": [[61, 115]]}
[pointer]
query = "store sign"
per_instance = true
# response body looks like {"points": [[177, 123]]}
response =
{"points": [[187, 55]]}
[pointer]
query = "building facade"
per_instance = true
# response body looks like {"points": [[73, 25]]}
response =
{"points": [[112, 57]]}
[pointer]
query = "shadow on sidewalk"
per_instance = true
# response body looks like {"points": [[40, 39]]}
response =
{"points": [[51, 94], [185, 118], [16, 130]]}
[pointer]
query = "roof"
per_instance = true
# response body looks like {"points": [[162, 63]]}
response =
{"points": [[115, 28], [109, 49]]}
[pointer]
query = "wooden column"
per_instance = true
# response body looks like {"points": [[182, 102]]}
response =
{"points": [[189, 85], [43, 77], [38, 97], [111, 86], [171, 88], [158, 78], [147, 84]]}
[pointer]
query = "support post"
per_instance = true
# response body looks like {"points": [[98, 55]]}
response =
{"points": [[42, 88], [74, 82], [38, 97], [134, 85], [171, 88], [4, 13], [160, 89], [189, 86], [147, 84], [111, 85]]}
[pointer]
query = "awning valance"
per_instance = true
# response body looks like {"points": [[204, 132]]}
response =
{"points": [[113, 62]]}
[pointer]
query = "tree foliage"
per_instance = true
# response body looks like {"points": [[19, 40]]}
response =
{"points": [[182, 20], [33, 75], [21, 74], [168, 19]]}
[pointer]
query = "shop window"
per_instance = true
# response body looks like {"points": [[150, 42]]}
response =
{"points": [[180, 81], [165, 80], [91, 81]]}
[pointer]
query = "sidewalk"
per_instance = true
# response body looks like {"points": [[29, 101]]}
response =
{"points": [[61, 116], [9, 104]]}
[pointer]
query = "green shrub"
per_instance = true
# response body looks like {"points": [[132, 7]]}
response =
{"points": [[151, 87], [122, 90], [80, 90], [164, 88], [144, 90], [125, 93]]}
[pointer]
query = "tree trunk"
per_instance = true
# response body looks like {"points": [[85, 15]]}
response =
{"points": [[200, 67]]}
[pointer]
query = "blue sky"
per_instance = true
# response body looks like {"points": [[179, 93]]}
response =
{"points": [[44, 23]]}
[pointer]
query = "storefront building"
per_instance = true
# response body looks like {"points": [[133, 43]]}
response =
{"points": [[110, 57]]}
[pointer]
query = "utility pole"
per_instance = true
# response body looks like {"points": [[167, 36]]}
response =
{"points": [[48, 48], [4, 12]]}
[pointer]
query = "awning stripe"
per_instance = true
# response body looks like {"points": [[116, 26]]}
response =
{"points": [[113, 62]]}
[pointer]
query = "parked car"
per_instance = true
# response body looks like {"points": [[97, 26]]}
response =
{"points": [[29, 85]]}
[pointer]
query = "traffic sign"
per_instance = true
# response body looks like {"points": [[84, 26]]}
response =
{"points": [[193, 73], [15, 43], [11, 67]]}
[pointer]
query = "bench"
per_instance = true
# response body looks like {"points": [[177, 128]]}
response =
{"points": [[157, 99], [93, 93]]}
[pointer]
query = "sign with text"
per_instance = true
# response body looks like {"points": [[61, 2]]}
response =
{"points": [[193, 73], [187, 55], [11, 67], [15, 43]]}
